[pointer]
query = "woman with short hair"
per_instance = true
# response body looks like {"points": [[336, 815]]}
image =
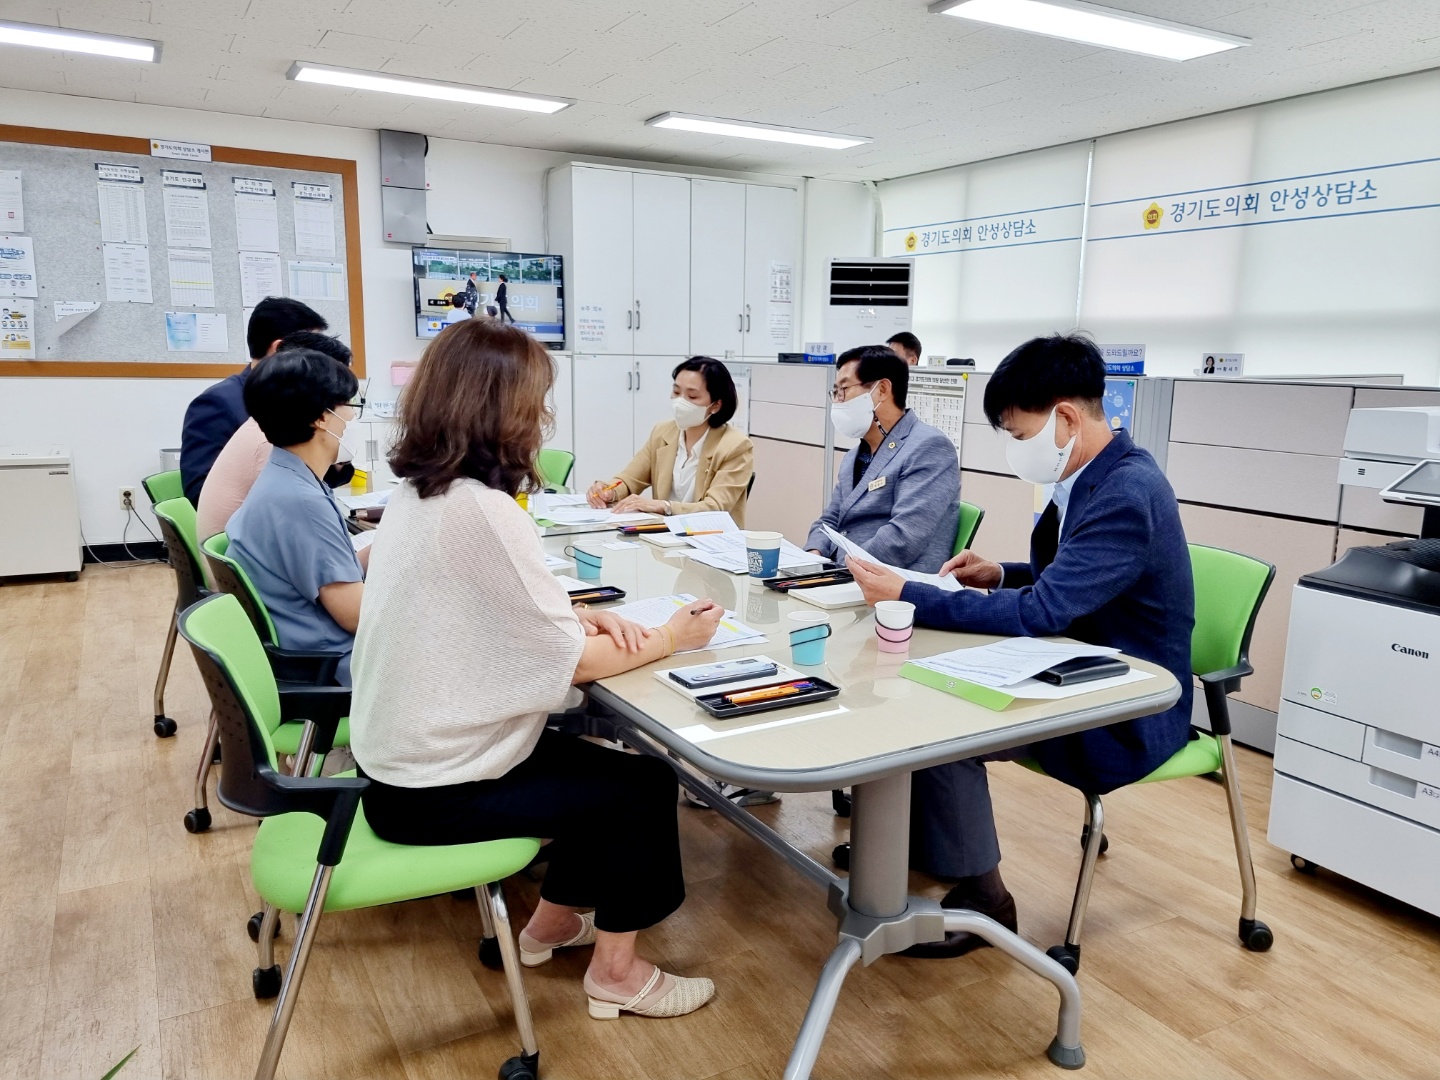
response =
{"points": [[468, 642], [695, 461]]}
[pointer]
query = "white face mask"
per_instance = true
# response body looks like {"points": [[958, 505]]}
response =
{"points": [[345, 451], [853, 418], [1037, 459], [687, 413]]}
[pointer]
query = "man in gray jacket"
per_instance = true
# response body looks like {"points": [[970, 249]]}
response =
{"points": [[898, 492]]}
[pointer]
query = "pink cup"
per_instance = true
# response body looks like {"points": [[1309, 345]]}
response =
{"points": [[894, 640]]}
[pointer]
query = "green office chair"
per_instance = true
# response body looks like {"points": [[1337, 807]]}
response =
{"points": [[293, 670], [164, 486], [970, 518], [555, 467], [177, 528], [314, 851], [969, 524], [1229, 589]]}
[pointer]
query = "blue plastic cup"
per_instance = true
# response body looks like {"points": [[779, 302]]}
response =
{"points": [[587, 563], [762, 553], [809, 630]]}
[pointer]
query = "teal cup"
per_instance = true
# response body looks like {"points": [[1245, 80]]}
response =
{"points": [[808, 633], [587, 563]]}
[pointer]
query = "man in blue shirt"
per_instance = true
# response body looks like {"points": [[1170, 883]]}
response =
{"points": [[289, 534], [1109, 565], [220, 409]]}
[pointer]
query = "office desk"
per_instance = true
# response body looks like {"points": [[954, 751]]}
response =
{"points": [[879, 730]]}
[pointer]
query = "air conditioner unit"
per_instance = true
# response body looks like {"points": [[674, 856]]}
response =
{"points": [[869, 301]]}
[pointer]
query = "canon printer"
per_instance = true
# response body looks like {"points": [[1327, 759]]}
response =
{"points": [[1357, 753]]}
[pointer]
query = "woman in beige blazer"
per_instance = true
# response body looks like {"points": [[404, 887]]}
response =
{"points": [[695, 461]]}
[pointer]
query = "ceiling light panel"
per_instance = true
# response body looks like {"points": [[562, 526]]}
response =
{"points": [[1090, 24], [743, 129], [79, 41], [352, 79]]}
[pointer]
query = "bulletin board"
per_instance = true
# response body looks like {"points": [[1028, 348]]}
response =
{"points": [[269, 223]]}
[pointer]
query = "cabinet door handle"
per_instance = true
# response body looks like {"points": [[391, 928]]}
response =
{"points": [[747, 318], [629, 319], [629, 380], [637, 370], [740, 323], [637, 314]]}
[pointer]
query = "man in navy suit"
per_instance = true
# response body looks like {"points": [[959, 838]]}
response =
{"points": [[220, 409], [1108, 565]]}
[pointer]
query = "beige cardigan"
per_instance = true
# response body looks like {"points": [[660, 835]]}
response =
{"points": [[727, 461]]}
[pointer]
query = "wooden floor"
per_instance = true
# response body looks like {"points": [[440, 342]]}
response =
{"points": [[120, 930]]}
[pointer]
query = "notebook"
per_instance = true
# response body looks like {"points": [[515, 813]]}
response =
{"points": [[831, 596]]}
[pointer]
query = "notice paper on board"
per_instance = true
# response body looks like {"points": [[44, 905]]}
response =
{"points": [[12, 201], [187, 209], [259, 278], [127, 274], [17, 266], [314, 220], [17, 329], [121, 191], [70, 313], [192, 278], [196, 331], [257, 218], [317, 280]]}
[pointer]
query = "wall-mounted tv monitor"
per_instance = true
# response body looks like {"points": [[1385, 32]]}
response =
{"points": [[535, 289]]}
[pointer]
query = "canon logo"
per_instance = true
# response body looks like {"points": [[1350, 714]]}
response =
{"points": [[1409, 652]]}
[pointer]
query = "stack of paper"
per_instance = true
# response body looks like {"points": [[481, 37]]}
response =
{"points": [[849, 547], [574, 510], [704, 523], [726, 551], [361, 502], [995, 675], [658, 610]]}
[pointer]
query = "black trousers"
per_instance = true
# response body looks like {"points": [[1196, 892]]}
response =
{"points": [[611, 817], [505, 311]]}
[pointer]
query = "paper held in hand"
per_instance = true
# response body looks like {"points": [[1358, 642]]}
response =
{"points": [[849, 547]]}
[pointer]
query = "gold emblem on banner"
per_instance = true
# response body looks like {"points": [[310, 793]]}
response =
{"points": [[910, 241], [1153, 216]]}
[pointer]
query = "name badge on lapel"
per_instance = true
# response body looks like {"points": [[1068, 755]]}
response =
{"points": [[876, 485]]}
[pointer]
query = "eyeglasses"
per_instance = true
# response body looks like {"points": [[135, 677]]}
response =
{"points": [[842, 393], [358, 404]]}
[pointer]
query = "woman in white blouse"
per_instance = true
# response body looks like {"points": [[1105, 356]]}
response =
{"points": [[467, 642]]}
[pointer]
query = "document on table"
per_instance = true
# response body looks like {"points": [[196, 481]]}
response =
{"points": [[555, 562], [257, 218], [566, 509], [314, 220], [849, 547], [192, 278], [658, 610], [362, 540], [127, 273], [1004, 664], [726, 551], [187, 210], [706, 521], [259, 277], [362, 502]]}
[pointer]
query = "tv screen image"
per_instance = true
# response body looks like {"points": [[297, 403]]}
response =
{"points": [[534, 294]]}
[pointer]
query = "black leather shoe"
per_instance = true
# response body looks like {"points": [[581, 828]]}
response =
{"points": [[841, 856], [960, 942]]}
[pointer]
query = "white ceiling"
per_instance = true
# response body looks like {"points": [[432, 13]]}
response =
{"points": [[932, 91]]}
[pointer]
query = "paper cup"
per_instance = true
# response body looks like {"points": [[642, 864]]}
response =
{"points": [[809, 630], [894, 625], [587, 563], [762, 552]]}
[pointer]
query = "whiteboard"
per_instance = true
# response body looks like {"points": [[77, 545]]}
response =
{"points": [[62, 216]]}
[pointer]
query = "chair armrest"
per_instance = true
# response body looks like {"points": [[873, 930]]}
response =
{"points": [[306, 668], [336, 799], [323, 706], [1218, 685], [1228, 679]]}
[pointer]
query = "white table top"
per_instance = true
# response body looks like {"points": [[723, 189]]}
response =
{"points": [[880, 723]]}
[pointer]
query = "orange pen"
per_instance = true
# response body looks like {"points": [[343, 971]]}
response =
{"points": [[766, 693]]}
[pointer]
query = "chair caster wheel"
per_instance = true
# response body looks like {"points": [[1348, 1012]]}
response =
{"points": [[1304, 865], [840, 856], [521, 1067], [252, 926], [489, 953], [1066, 956], [164, 727], [1085, 839], [1255, 935], [197, 820], [265, 982], [840, 802]]}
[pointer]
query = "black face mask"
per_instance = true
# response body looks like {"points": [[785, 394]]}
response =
{"points": [[340, 474]]}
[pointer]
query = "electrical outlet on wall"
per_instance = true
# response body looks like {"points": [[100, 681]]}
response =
{"points": [[127, 497]]}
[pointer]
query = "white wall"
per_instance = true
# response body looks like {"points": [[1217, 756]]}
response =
{"points": [[1311, 293], [839, 224], [116, 427]]}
